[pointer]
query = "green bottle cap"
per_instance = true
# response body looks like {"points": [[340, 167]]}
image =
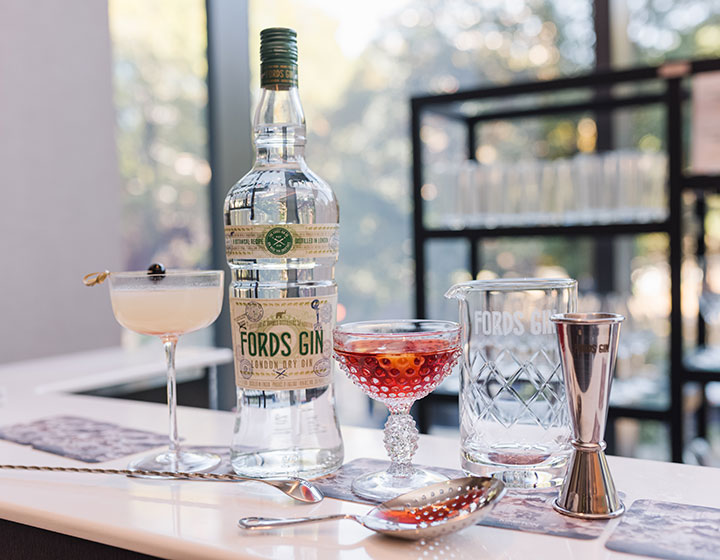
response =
{"points": [[278, 58]]}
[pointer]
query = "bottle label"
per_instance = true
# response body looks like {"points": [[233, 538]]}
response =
{"points": [[277, 75], [290, 241], [282, 344]]}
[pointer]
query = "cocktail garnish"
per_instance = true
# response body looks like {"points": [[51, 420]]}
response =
{"points": [[95, 278], [156, 272]]}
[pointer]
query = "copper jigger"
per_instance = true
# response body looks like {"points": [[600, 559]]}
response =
{"points": [[588, 347]]}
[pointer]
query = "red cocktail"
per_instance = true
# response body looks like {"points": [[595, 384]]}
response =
{"points": [[396, 363], [401, 372]]}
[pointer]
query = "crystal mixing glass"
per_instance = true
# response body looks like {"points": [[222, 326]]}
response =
{"points": [[513, 411]]}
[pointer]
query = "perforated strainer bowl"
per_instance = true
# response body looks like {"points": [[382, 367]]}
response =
{"points": [[429, 512]]}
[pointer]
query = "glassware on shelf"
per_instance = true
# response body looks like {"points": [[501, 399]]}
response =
{"points": [[709, 301], [653, 176], [627, 186], [708, 357], [564, 194], [491, 192], [638, 336], [586, 182], [514, 420], [444, 188], [620, 186], [467, 207], [609, 181], [548, 195], [397, 363], [639, 377], [168, 305], [529, 171], [512, 197]]}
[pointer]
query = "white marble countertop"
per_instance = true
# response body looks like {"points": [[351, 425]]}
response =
{"points": [[197, 519]]}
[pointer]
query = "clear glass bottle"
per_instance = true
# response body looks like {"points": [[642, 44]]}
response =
{"points": [[281, 232]]}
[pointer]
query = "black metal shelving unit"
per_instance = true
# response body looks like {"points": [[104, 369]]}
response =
{"points": [[603, 96]]}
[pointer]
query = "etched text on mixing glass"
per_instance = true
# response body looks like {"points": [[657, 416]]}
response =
{"points": [[504, 323]]}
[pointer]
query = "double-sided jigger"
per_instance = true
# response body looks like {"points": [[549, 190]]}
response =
{"points": [[588, 347]]}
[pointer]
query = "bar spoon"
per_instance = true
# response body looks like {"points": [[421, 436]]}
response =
{"points": [[296, 488]]}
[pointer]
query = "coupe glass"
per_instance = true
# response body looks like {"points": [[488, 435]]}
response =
{"points": [[396, 363], [167, 306]]}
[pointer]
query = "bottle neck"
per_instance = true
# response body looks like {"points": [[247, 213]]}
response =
{"points": [[279, 127]]}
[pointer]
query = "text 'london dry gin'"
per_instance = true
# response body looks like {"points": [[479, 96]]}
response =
{"points": [[281, 236]]}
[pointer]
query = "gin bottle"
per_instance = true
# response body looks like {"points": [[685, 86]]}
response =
{"points": [[281, 239]]}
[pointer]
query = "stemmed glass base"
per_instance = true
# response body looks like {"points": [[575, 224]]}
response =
{"points": [[175, 458], [401, 436], [182, 461], [384, 485]]}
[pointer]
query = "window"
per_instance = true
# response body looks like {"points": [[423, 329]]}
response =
{"points": [[160, 68], [160, 97]]}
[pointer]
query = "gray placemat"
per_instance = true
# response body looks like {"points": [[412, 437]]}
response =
{"points": [[668, 530], [528, 511], [82, 439]]}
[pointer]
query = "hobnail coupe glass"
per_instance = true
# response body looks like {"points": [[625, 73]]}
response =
{"points": [[397, 363]]}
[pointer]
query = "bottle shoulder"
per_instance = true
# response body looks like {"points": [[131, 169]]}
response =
{"points": [[265, 187], [280, 174]]}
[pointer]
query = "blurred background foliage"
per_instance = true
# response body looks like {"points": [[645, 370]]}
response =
{"points": [[160, 69]]}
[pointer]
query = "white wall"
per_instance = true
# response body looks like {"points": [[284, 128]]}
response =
{"points": [[59, 184]]}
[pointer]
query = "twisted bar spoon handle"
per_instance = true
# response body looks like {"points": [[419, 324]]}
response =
{"points": [[296, 488]]}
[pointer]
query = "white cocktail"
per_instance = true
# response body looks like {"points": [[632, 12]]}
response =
{"points": [[168, 305], [161, 312]]}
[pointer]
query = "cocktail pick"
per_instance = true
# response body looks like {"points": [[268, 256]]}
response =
{"points": [[588, 348], [155, 271], [95, 278]]}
